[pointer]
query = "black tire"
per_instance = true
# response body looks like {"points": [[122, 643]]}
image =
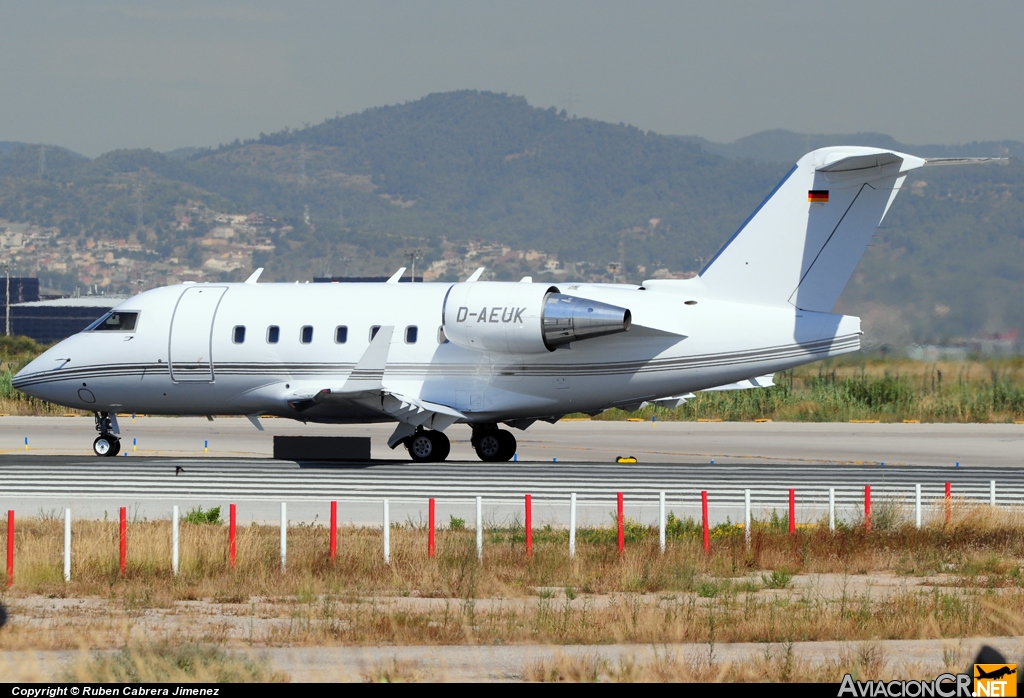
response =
{"points": [[508, 445], [495, 446], [442, 445], [488, 446], [106, 446], [422, 447]]}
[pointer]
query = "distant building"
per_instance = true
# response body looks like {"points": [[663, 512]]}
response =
{"points": [[961, 349], [360, 279], [53, 320], [23, 289]]}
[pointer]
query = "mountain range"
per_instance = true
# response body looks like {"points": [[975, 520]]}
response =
{"points": [[453, 170]]}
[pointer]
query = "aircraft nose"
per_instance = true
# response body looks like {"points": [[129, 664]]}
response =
{"points": [[34, 376]]}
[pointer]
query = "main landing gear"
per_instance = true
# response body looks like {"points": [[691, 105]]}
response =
{"points": [[106, 444], [492, 444], [428, 446]]}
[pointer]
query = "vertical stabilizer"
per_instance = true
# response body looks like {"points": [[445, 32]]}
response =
{"points": [[801, 245]]}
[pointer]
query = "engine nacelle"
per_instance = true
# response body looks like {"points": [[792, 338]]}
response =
{"points": [[518, 318]]}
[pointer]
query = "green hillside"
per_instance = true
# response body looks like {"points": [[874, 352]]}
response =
{"points": [[455, 167]]}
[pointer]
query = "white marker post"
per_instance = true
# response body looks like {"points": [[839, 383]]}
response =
{"points": [[67, 545], [746, 515], [284, 534], [917, 504], [992, 492], [831, 508], [661, 521], [387, 534], [480, 529], [572, 525], [174, 540]]}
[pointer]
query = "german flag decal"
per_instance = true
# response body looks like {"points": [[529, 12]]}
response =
{"points": [[817, 196]]}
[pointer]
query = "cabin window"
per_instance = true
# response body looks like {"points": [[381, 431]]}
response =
{"points": [[411, 333], [341, 334], [115, 321], [238, 334], [273, 334], [373, 331], [441, 337], [306, 335]]}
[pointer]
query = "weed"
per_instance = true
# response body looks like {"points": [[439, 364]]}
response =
{"points": [[198, 516], [778, 579]]}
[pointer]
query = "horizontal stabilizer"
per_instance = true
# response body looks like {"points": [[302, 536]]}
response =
{"points": [[963, 161]]}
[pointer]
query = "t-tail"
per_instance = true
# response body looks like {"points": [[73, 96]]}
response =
{"points": [[801, 245]]}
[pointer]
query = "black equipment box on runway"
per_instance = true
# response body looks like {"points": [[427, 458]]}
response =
{"points": [[322, 448]]}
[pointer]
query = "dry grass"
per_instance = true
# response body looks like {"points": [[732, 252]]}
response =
{"points": [[777, 663], [895, 581]]}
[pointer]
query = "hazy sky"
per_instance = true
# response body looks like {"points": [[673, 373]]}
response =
{"points": [[102, 75]]}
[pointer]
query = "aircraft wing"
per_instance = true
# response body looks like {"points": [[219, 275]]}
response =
{"points": [[765, 381], [365, 387], [680, 400]]}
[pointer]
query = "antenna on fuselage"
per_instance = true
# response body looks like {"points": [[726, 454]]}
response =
{"points": [[254, 276], [475, 276], [396, 276]]}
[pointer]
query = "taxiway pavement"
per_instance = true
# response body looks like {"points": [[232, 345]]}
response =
{"points": [[58, 470]]}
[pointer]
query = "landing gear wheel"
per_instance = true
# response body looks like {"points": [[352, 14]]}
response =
{"points": [[442, 444], [428, 446], [106, 446], [495, 446], [508, 445], [421, 447]]}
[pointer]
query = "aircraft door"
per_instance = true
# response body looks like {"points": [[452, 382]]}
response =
{"points": [[192, 334]]}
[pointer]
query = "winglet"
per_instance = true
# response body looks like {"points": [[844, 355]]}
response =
{"points": [[396, 276], [254, 276], [368, 373], [475, 276]]}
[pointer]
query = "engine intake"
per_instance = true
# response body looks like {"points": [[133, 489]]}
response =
{"points": [[518, 318]]}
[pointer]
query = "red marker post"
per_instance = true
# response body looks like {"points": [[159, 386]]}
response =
{"points": [[334, 530], [124, 539], [792, 511], [704, 520], [867, 507], [430, 535], [529, 526], [10, 547], [949, 495], [232, 528], [622, 530]]}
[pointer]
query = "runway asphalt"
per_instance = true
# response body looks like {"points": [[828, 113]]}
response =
{"points": [[58, 470]]}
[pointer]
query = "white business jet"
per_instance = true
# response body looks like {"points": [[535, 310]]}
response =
{"points": [[486, 353]]}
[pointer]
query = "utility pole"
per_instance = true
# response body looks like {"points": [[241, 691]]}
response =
{"points": [[413, 255], [7, 298]]}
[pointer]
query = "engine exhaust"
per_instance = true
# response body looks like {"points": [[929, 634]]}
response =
{"points": [[569, 319]]}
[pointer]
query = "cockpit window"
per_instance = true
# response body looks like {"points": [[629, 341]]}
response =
{"points": [[115, 321]]}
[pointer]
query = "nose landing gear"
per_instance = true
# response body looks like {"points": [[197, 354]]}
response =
{"points": [[493, 445], [106, 444]]}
